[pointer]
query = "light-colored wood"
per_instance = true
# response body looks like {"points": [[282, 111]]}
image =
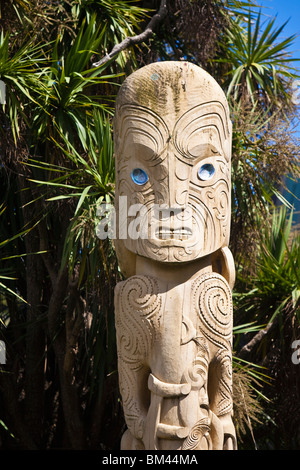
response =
{"points": [[174, 310]]}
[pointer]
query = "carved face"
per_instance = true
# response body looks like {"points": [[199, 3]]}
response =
{"points": [[172, 145]]}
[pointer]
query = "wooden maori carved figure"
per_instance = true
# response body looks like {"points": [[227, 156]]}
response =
{"points": [[174, 309]]}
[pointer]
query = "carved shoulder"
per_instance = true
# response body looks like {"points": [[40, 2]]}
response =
{"points": [[223, 263]]}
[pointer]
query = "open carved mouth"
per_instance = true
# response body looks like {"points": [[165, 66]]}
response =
{"points": [[167, 233]]}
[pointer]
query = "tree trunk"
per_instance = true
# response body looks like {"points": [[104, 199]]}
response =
{"points": [[35, 336]]}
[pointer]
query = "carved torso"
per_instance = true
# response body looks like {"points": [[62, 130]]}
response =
{"points": [[171, 350]]}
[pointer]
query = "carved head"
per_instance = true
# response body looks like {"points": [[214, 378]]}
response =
{"points": [[173, 151]]}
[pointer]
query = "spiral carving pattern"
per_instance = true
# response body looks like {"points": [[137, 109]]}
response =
{"points": [[198, 433], [213, 298], [137, 310], [196, 373], [139, 303]]}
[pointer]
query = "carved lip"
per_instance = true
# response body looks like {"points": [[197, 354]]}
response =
{"points": [[167, 233]]}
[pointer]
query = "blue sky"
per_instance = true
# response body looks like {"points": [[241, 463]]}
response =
{"points": [[285, 10]]}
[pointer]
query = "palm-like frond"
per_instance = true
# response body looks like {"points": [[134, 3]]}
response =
{"points": [[272, 297], [67, 104], [122, 19], [22, 72], [259, 65], [88, 178], [276, 284]]}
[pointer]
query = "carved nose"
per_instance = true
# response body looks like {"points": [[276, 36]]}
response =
{"points": [[178, 194], [179, 179]]}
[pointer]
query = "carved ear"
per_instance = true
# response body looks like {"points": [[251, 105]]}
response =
{"points": [[223, 263], [126, 259]]}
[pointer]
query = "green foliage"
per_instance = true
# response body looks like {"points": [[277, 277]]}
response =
{"points": [[271, 298], [121, 17], [67, 105], [63, 167], [276, 284], [22, 76], [263, 151], [260, 66]]}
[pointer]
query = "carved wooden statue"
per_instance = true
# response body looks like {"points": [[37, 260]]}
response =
{"points": [[174, 310]]}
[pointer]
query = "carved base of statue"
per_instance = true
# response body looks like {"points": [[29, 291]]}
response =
{"points": [[174, 346]]}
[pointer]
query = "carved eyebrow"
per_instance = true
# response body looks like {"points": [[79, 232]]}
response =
{"points": [[143, 116], [207, 115], [132, 120], [139, 131], [211, 108], [186, 142]]}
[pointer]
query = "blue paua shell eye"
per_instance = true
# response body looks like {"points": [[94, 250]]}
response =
{"points": [[206, 172], [139, 176]]}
